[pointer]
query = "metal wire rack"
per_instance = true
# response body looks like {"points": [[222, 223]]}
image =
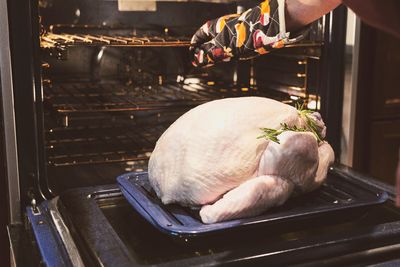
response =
{"points": [[51, 40], [101, 144], [77, 98], [110, 142]]}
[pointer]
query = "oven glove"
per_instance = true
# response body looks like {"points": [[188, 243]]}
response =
{"points": [[257, 31]]}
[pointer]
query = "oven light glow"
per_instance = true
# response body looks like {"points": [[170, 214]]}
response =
{"points": [[191, 81], [313, 105], [100, 54], [235, 77]]}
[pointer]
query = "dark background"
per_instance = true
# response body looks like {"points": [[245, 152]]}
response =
{"points": [[377, 132]]}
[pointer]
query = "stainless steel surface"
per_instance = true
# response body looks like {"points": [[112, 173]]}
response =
{"points": [[13, 260], [65, 234], [9, 117], [350, 88], [282, 20]]}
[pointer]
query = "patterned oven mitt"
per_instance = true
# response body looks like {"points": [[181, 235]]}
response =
{"points": [[257, 31]]}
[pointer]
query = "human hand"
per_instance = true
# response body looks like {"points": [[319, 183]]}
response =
{"points": [[257, 31]]}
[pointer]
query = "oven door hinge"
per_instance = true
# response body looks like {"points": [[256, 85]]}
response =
{"points": [[34, 207]]}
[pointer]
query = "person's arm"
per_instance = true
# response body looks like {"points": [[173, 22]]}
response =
{"points": [[300, 13], [383, 14]]}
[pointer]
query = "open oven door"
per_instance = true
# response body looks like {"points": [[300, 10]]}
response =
{"points": [[97, 226]]}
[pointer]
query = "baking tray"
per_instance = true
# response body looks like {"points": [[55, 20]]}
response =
{"points": [[337, 194]]}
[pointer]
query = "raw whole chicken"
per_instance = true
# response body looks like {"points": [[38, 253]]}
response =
{"points": [[211, 158]]}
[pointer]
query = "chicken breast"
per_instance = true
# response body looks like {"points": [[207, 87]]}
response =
{"points": [[211, 157]]}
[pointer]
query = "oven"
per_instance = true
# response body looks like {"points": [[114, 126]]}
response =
{"points": [[88, 86]]}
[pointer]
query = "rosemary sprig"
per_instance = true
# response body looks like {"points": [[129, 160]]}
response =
{"points": [[272, 134], [310, 122], [311, 126]]}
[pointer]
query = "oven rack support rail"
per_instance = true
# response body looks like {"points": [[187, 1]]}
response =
{"points": [[56, 44]]}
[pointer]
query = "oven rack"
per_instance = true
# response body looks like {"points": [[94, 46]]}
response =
{"points": [[77, 98], [52, 40], [57, 44], [100, 144]]}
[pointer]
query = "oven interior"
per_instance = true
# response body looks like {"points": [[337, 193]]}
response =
{"points": [[112, 82]]}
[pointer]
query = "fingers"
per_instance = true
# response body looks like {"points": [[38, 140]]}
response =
{"points": [[210, 29], [208, 54], [202, 35], [255, 32], [203, 55], [200, 58], [206, 43]]}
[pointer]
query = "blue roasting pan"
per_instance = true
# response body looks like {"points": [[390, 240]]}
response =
{"points": [[337, 194]]}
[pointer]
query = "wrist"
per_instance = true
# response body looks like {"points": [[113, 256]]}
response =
{"points": [[300, 13]]}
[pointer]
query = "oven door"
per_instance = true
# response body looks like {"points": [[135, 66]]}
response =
{"points": [[96, 226]]}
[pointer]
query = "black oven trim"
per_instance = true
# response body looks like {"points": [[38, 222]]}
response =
{"points": [[332, 78], [25, 53]]}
